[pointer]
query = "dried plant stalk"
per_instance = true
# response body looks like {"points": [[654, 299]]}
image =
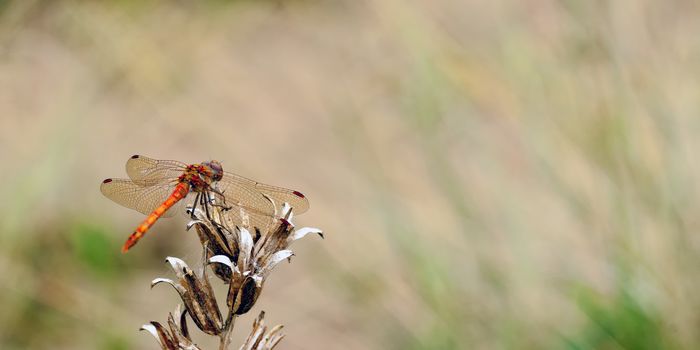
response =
{"points": [[241, 257]]}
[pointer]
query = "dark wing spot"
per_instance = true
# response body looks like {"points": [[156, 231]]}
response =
{"points": [[298, 194], [106, 181], [135, 156]]}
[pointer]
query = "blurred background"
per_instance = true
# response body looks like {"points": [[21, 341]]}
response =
{"points": [[490, 175]]}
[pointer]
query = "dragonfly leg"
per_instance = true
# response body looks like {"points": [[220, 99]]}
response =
{"points": [[194, 205], [223, 198], [206, 202]]}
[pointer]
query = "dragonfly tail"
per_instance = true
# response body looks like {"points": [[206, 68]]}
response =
{"points": [[180, 192], [131, 241]]}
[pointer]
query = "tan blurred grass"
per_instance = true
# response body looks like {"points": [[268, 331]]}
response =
{"points": [[489, 175]]}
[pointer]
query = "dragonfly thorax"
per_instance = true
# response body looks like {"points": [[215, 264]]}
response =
{"points": [[201, 176]]}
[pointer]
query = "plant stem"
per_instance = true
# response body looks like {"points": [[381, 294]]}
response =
{"points": [[225, 337]]}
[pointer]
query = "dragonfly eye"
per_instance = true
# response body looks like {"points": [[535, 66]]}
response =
{"points": [[217, 171]]}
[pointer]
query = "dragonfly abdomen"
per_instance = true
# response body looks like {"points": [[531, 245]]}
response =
{"points": [[181, 190]]}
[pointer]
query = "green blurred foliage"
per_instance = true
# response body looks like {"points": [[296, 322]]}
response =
{"points": [[95, 248], [115, 342], [620, 322]]}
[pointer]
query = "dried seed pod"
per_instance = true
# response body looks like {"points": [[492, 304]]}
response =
{"points": [[260, 338], [242, 299], [177, 337], [197, 295]]}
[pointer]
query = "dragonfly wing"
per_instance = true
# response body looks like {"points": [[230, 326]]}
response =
{"points": [[146, 171], [135, 196], [242, 216], [248, 193], [281, 195], [241, 192]]}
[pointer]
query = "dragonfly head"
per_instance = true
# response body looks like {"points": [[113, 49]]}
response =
{"points": [[217, 171]]}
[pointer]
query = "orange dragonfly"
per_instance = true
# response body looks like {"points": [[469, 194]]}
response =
{"points": [[155, 186]]}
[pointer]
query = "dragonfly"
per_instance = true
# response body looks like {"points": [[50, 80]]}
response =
{"points": [[154, 187]]}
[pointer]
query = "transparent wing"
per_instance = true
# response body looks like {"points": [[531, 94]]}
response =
{"points": [[281, 195], [248, 194], [241, 192], [239, 214], [145, 171], [135, 196], [245, 217]]}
